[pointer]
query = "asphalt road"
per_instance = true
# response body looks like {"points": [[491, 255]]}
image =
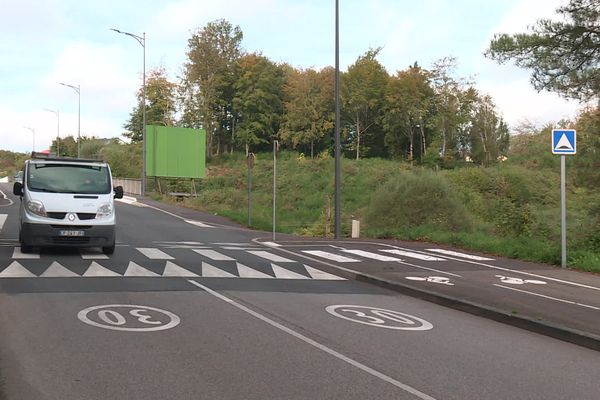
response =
{"points": [[191, 307]]}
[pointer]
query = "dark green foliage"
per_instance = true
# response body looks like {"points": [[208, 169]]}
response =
{"points": [[417, 198]]}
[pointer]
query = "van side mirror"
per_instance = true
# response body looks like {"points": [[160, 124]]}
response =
{"points": [[119, 192], [18, 189]]}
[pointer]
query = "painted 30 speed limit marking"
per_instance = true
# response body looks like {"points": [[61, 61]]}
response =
{"points": [[379, 317], [128, 317]]}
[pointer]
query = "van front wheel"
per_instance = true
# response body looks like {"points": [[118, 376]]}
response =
{"points": [[108, 250]]}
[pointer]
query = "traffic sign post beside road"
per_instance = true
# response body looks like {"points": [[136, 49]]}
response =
{"points": [[564, 142]]}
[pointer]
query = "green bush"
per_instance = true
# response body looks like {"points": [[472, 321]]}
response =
{"points": [[412, 199]]}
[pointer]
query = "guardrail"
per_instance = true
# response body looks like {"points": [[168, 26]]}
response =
{"points": [[130, 186]]}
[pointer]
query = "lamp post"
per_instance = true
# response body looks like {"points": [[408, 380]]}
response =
{"points": [[338, 179], [55, 112], [78, 90], [142, 41], [32, 131]]}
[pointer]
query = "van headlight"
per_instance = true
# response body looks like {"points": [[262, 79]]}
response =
{"points": [[105, 210], [36, 207]]}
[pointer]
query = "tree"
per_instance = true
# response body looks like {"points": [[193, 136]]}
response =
{"points": [[362, 94], [563, 56], [258, 94], [209, 77], [408, 114], [309, 107], [488, 136], [160, 105]]}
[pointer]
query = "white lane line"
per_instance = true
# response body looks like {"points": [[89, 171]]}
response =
{"points": [[16, 270], [270, 256], [330, 256], [368, 254], [548, 297], [96, 270], [198, 223], [317, 345], [462, 255], [172, 269], [17, 254], [410, 254], [282, 273], [2, 220], [247, 272], [209, 271], [154, 254], [56, 270], [214, 255], [245, 244], [134, 269]]}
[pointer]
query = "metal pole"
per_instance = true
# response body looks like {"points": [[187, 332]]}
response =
{"points": [[78, 121], [338, 212], [57, 133], [563, 212], [274, 182], [33, 132], [249, 195], [144, 119]]}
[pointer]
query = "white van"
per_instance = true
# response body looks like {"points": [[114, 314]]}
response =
{"points": [[66, 202]]}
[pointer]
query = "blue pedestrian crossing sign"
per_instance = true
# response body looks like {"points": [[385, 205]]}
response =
{"points": [[564, 141]]}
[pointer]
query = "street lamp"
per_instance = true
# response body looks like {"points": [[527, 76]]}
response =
{"points": [[78, 90], [55, 112], [32, 131], [141, 40]]}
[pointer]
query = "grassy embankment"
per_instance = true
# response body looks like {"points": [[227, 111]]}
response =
{"points": [[511, 209]]}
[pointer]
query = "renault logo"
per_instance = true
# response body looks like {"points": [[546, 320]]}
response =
{"points": [[71, 217]]}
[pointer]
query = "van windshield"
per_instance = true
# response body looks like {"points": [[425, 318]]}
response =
{"points": [[68, 178]]}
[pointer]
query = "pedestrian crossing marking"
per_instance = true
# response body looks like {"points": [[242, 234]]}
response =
{"points": [[330, 256], [56, 270], [17, 254], [2, 220], [134, 269], [247, 272], [16, 270], [97, 270], [214, 255], [271, 257], [410, 254], [320, 275], [209, 271], [462, 255], [172, 269], [374, 256], [89, 255], [282, 273], [154, 254]]}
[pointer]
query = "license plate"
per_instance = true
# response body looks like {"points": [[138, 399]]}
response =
{"points": [[71, 233]]}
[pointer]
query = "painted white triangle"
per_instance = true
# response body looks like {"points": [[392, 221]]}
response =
{"points": [[172, 269], [282, 273], [247, 272], [56, 270], [134, 269], [563, 143], [208, 271], [97, 270], [317, 274], [16, 270]]}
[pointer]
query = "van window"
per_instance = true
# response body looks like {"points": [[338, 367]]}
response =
{"points": [[68, 178]]}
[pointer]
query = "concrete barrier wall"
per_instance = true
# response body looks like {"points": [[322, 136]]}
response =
{"points": [[130, 186]]}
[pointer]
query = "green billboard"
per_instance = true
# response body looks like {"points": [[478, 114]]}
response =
{"points": [[173, 152]]}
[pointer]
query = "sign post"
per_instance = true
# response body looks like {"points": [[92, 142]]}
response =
{"points": [[564, 142]]}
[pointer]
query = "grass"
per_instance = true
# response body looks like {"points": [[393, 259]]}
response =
{"points": [[506, 210]]}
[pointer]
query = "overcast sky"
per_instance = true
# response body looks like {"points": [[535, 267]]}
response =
{"points": [[44, 42]]}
